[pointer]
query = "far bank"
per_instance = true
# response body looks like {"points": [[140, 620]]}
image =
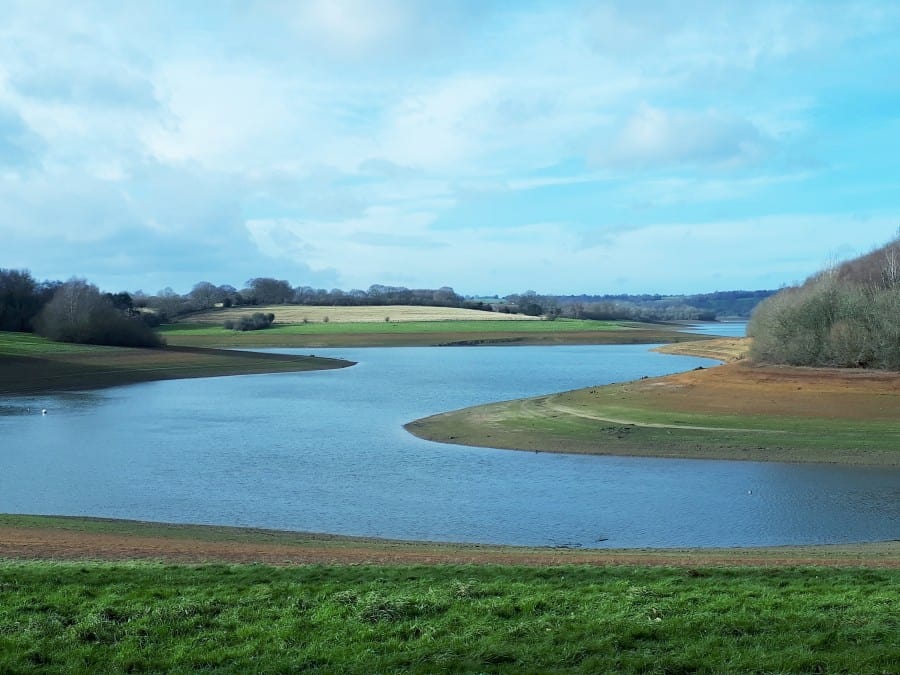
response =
{"points": [[31, 364]]}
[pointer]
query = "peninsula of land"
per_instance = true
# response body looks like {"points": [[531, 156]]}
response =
{"points": [[732, 411]]}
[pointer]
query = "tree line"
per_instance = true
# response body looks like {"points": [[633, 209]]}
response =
{"points": [[268, 291], [845, 316], [78, 311], [71, 311], [647, 307]]}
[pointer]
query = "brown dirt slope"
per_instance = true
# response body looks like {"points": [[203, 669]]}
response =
{"points": [[744, 389], [78, 540]]}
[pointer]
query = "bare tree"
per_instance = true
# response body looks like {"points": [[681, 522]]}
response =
{"points": [[78, 312]]}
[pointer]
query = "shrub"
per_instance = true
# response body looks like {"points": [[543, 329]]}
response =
{"points": [[256, 321], [846, 317], [79, 313]]}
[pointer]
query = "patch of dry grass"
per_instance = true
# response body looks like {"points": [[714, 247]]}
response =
{"points": [[726, 350]]}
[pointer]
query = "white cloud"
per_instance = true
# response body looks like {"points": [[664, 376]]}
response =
{"points": [[653, 136], [228, 117], [384, 31], [442, 128], [20, 147], [680, 257], [691, 190], [422, 139]]}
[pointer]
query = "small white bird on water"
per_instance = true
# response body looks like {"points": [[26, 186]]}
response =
{"points": [[44, 411]]}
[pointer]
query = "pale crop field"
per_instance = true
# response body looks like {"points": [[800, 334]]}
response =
{"points": [[318, 314]]}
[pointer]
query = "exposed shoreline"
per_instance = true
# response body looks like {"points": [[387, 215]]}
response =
{"points": [[100, 539], [732, 412]]}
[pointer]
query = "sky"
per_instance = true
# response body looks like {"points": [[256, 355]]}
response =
{"points": [[491, 146]]}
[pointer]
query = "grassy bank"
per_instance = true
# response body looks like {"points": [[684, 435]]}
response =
{"points": [[33, 364], [102, 617], [424, 333], [734, 411]]}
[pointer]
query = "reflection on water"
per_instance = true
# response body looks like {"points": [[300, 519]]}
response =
{"points": [[326, 451]]}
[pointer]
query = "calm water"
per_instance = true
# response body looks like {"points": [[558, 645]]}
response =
{"points": [[326, 451], [723, 328]]}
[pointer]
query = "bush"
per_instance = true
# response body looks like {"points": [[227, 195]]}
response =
{"points": [[79, 313], [846, 317], [256, 321]]}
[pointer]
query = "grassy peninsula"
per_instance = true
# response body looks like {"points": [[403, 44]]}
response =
{"points": [[734, 411]]}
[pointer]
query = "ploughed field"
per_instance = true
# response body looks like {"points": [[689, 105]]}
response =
{"points": [[735, 411]]}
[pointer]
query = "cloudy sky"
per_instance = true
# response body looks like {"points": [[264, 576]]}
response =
{"points": [[495, 147]]}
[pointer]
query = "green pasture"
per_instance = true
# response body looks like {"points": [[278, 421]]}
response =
{"points": [[372, 327], [423, 333], [146, 617], [27, 344]]}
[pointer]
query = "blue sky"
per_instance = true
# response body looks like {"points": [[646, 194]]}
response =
{"points": [[495, 147]]}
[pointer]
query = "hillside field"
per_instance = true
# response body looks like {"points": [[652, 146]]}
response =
{"points": [[367, 314], [408, 326]]}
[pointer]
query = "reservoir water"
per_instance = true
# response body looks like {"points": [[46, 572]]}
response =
{"points": [[326, 452]]}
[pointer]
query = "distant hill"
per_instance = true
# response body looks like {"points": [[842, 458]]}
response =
{"points": [[702, 306]]}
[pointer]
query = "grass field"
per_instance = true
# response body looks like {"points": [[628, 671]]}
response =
{"points": [[424, 333], [371, 327], [102, 617], [34, 364], [728, 412], [318, 314]]}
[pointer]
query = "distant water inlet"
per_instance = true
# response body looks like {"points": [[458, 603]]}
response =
{"points": [[326, 452]]}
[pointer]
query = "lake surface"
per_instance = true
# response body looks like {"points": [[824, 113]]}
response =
{"points": [[326, 451], [723, 328]]}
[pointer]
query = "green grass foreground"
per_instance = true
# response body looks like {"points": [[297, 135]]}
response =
{"points": [[101, 617]]}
